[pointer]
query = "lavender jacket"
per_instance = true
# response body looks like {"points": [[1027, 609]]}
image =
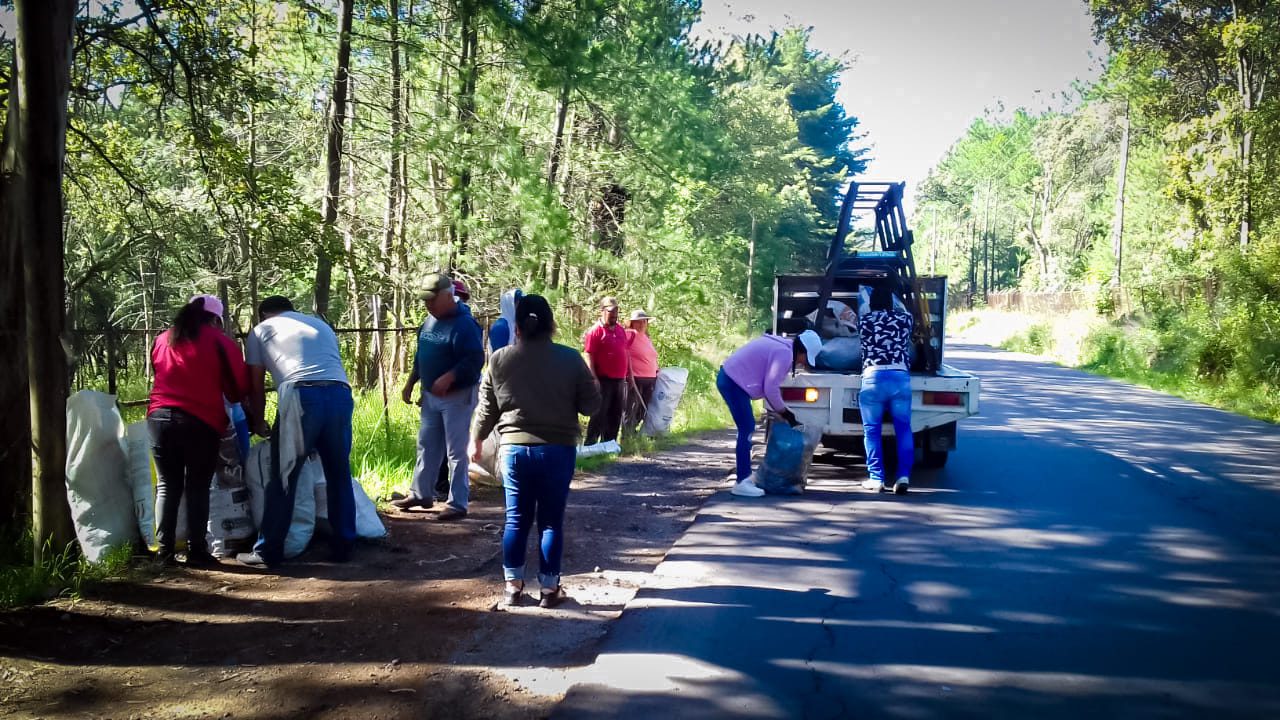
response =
{"points": [[760, 366]]}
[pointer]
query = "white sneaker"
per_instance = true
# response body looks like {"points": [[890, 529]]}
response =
{"points": [[876, 485], [747, 488], [901, 486]]}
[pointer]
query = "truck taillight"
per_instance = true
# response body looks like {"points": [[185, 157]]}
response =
{"points": [[943, 398], [800, 394]]}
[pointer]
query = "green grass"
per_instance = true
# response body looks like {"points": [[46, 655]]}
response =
{"points": [[1169, 356], [61, 574]]}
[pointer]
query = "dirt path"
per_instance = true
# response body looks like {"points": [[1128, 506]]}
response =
{"points": [[411, 628]]}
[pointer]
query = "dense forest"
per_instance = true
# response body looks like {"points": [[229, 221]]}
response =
{"points": [[337, 150], [1154, 192]]}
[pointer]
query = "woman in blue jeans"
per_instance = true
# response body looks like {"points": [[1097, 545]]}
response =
{"points": [[886, 339], [532, 396]]}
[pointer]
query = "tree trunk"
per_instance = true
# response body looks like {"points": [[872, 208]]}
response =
{"points": [[333, 161], [395, 182], [1117, 221], [468, 72], [751, 263], [44, 32], [557, 142], [15, 424], [359, 364]]}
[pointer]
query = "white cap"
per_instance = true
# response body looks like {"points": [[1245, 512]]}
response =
{"points": [[812, 345]]}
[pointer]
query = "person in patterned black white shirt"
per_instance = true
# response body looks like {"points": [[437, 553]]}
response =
{"points": [[885, 332]]}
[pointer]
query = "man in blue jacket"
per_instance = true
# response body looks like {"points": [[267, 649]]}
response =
{"points": [[447, 363]]}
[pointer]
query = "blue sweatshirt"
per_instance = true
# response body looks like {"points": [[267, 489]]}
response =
{"points": [[453, 343]]}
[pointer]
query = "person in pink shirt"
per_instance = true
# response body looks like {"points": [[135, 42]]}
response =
{"points": [[196, 366], [644, 368], [754, 371], [606, 347]]}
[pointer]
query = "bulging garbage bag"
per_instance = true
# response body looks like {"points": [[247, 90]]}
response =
{"points": [[667, 391], [97, 474], [787, 456], [842, 354]]}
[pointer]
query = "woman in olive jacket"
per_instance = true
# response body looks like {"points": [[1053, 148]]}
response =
{"points": [[532, 396]]}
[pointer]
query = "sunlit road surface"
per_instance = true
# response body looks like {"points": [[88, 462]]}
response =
{"points": [[1093, 550]]}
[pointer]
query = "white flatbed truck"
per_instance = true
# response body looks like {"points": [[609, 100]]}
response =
{"points": [[941, 395]]}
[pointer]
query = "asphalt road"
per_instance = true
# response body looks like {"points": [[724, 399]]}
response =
{"points": [[1092, 550]]}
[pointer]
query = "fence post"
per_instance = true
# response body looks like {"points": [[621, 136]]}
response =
{"points": [[111, 359]]}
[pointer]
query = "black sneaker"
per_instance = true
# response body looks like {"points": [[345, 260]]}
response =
{"points": [[201, 560]]}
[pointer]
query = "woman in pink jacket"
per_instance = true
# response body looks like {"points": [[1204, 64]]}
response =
{"points": [[754, 371]]}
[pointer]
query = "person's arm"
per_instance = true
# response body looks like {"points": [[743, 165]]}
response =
{"points": [[257, 406], [774, 373], [487, 415], [468, 346], [406, 393], [590, 343], [256, 370], [588, 398]]}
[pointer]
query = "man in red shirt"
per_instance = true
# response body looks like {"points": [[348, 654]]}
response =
{"points": [[606, 347]]}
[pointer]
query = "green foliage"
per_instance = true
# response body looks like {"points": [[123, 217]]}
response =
{"points": [[61, 574]]}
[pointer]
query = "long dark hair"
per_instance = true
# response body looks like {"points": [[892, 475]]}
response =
{"points": [[534, 319], [190, 318]]}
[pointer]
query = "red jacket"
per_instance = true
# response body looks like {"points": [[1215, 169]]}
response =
{"points": [[193, 376]]}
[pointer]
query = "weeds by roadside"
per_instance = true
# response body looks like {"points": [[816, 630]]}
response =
{"points": [[1165, 353], [61, 574]]}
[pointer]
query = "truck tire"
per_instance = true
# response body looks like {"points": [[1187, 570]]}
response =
{"points": [[933, 459]]}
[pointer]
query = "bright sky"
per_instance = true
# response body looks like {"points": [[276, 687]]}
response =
{"points": [[923, 70]]}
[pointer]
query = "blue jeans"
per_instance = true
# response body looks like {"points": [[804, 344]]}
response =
{"points": [[740, 408], [326, 430], [886, 389], [536, 480]]}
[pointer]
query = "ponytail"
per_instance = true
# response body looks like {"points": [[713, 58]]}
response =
{"points": [[534, 318], [190, 318]]}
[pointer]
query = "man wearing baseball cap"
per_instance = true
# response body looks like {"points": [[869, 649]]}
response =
{"points": [[447, 363], [606, 347]]}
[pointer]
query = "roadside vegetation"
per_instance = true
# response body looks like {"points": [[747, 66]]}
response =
{"points": [[1166, 354]]}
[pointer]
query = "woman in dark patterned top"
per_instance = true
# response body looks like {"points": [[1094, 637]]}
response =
{"points": [[885, 332]]}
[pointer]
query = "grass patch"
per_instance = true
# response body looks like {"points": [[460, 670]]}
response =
{"points": [[61, 574], [1170, 354]]}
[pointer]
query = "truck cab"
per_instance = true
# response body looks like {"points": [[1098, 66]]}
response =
{"points": [[942, 395]]}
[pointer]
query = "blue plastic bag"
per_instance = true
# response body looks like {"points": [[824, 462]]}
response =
{"points": [[786, 458]]}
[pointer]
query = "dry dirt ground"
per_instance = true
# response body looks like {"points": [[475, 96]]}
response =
{"points": [[409, 629]]}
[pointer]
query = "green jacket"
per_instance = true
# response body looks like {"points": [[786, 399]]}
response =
{"points": [[534, 393]]}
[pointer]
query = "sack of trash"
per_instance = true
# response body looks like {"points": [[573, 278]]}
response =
{"points": [[667, 391], [839, 321], [609, 447], [842, 353], [98, 490], [231, 526], [368, 524], [258, 471], [787, 456]]}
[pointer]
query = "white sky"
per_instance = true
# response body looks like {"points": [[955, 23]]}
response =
{"points": [[923, 70]]}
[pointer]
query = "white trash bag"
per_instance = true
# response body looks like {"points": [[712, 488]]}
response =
{"points": [[608, 447], [138, 474], [256, 472], [667, 391], [97, 484], [368, 524]]}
